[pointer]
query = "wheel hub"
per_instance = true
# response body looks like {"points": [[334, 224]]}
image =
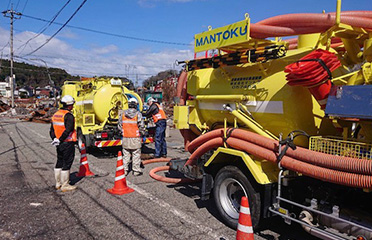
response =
{"points": [[231, 192]]}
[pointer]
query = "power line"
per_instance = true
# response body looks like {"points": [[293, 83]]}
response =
{"points": [[113, 34], [45, 28], [93, 61], [96, 61], [24, 7], [2, 49], [17, 5], [81, 5]]}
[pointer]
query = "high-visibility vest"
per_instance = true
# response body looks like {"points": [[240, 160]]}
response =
{"points": [[130, 127], [58, 121], [160, 115]]}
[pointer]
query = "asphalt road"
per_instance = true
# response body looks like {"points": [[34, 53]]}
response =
{"points": [[30, 208]]}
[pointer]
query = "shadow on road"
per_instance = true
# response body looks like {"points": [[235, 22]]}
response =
{"points": [[74, 179], [108, 152]]}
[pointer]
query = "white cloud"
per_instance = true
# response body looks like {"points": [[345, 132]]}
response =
{"points": [[103, 60], [106, 49], [67, 33]]}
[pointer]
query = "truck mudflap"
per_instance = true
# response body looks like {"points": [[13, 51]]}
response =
{"points": [[113, 143]]}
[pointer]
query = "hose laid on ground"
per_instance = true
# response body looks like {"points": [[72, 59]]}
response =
{"points": [[164, 168]]}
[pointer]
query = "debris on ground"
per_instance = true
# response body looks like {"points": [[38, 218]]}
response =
{"points": [[4, 106], [30, 109]]}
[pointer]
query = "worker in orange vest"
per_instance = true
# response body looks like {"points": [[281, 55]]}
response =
{"points": [[131, 123], [63, 133], [158, 115]]}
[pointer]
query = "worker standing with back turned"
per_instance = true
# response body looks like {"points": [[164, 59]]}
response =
{"points": [[158, 115], [131, 123], [63, 133]]}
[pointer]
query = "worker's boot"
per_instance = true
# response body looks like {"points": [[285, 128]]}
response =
{"points": [[65, 179], [57, 176]]}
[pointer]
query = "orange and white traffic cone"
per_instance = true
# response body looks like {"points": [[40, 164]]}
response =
{"points": [[84, 170], [120, 186], [245, 229]]}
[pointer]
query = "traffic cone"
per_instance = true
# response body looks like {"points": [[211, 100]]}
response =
{"points": [[84, 166], [120, 186], [245, 229]]}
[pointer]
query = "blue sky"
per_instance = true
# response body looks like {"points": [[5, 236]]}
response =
{"points": [[175, 21]]}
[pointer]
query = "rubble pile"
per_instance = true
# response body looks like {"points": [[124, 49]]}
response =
{"points": [[30, 109], [42, 115], [4, 107]]}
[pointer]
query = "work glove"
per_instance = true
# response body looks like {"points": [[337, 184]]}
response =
{"points": [[55, 142]]}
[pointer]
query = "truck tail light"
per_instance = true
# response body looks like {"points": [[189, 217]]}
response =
{"points": [[104, 135]]}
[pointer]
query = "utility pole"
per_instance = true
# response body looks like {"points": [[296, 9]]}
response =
{"points": [[51, 82], [12, 15]]}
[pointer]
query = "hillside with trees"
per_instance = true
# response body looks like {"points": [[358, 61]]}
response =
{"points": [[151, 81], [36, 76]]}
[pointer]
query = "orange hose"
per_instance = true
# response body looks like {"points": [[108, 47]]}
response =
{"points": [[181, 90], [295, 24], [155, 160], [205, 147], [205, 137], [164, 168], [329, 175], [354, 165], [167, 179]]}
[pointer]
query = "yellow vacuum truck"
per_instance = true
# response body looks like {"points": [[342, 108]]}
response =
{"points": [[97, 105], [286, 122]]}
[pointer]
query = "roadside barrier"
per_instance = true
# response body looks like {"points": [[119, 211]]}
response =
{"points": [[84, 170], [245, 229], [120, 185]]}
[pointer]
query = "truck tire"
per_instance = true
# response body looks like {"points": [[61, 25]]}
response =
{"points": [[229, 187], [80, 138]]}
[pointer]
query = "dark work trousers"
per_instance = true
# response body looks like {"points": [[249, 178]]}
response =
{"points": [[160, 144], [65, 155]]}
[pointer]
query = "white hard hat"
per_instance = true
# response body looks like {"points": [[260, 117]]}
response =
{"points": [[151, 99], [133, 100], [68, 100]]}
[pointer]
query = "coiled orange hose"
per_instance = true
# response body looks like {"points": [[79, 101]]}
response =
{"points": [[165, 168], [347, 164], [317, 172]]}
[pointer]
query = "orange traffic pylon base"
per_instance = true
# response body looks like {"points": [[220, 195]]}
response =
{"points": [[120, 191], [245, 229], [120, 185], [84, 170]]}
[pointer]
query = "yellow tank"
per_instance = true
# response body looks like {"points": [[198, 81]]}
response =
{"points": [[318, 83], [261, 92], [97, 105]]}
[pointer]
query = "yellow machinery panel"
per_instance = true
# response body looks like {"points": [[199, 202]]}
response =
{"points": [[181, 117], [89, 120], [341, 147], [264, 172]]}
